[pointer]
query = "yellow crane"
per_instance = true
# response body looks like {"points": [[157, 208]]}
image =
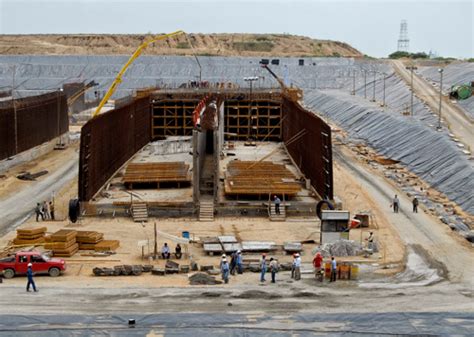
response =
{"points": [[132, 58]]}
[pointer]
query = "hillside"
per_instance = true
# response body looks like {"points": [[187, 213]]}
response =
{"points": [[204, 44]]}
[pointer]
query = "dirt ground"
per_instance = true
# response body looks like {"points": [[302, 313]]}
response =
{"points": [[79, 271], [50, 162]]}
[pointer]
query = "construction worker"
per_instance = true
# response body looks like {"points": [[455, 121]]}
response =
{"points": [[51, 210], [277, 202], [223, 258], [395, 204], [47, 216], [39, 212], [165, 251], [233, 263], [29, 274], [273, 268], [177, 251], [297, 267], [293, 266], [263, 267], [317, 263], [225, 270], [370, 241], [238, 262], [415, 203], [333, 269]]}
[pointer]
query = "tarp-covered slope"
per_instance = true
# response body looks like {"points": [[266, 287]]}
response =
{"points": [[425, 152], [453, 74]]}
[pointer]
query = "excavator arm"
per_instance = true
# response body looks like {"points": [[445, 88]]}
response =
{"points": [[132, 58]]}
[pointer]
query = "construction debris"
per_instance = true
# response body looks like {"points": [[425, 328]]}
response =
{"points": [[124, 270], [31, 176], [340, 248], [203, 279]]}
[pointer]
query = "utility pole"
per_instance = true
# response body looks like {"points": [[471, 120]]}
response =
{"points": [[440, 70], [373, 96], [411, 68], [365, 83], [58, 117], [384, 78], [353, 82], [15, 117]]}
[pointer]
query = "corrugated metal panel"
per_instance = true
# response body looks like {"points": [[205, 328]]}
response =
{"points": [[38, 118], [108, 141], [313, 152]]}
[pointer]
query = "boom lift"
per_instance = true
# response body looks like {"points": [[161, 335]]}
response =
{"points": [[132, 58]]}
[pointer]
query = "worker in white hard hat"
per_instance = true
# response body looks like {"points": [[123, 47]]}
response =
{"points": [[297, 264], [238, 262], [29, 274], [225, 270]]}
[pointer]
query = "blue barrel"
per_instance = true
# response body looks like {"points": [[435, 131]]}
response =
{"points": [[186, 235]]}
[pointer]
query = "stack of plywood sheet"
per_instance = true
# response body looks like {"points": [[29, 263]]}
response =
{"points": [[107, 245], [63, 243], [30, 236], [88, 239], [259, 178]]}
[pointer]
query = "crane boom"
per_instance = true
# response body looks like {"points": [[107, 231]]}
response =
{"points": [[295, 94], [135, 55]]}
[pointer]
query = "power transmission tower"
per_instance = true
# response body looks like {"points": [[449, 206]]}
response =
{"points": [[403, 41]]}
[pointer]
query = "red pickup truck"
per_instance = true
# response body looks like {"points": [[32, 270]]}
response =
{"points": [[18, 264]]}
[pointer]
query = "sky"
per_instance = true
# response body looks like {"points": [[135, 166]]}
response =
{"points": [[372, 26]]}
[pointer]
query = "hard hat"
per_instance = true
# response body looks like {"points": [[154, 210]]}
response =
{"points": [[224, 256], [238, 252], [30, 265], [297, 255]]}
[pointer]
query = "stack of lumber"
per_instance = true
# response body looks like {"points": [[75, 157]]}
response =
{"points": [[156, 172], [107, 245], [63, 243], [88, 239], [259, 178], [29, 236]]}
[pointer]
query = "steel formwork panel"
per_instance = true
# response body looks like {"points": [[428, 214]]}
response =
{"points": [[38, 119], [110, 140], [312, 153]]}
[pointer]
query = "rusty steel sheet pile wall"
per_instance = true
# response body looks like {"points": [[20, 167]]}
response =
{"points": [[38, 119], [110, 140], [312, 152]]}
